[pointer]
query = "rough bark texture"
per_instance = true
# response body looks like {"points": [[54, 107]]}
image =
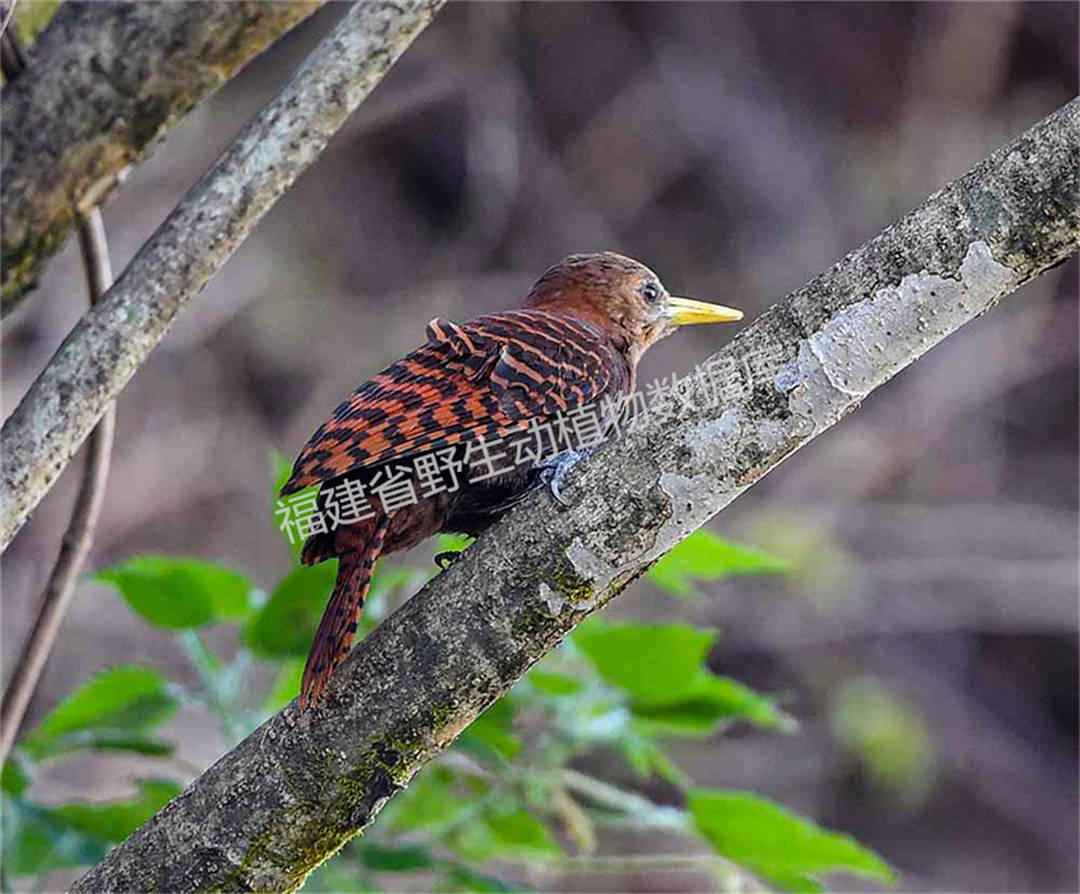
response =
{"points": [[299, 787], [103, 83], [111, 341]]}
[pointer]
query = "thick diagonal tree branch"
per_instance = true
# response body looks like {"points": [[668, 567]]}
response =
{"points": [[112, 340], [102, 84], [288, 796]]}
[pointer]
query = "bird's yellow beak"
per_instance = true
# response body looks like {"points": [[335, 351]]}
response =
{"points": [[685, 311]]}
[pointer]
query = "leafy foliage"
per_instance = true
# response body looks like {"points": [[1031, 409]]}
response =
{"points": [[285, 625], [703, 556], [114, 710], [505, 792], [14, 779], [661, 668], [653, 663], [113, 821], [779, 845], [37, 839], [180, 593]]}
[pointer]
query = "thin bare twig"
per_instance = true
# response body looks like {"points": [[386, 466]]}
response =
{"points": [[79, 536], [8, 12], [12, 58]]}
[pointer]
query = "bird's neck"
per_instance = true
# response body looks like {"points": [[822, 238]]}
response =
{"points": [[587, 313]]}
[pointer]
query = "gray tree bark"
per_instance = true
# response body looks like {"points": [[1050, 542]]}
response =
{"points": [[102, 85], [112, 339], [298, 788]]}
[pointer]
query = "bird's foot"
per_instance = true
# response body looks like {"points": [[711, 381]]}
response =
{"points": [[553, 471], [447, 558]]}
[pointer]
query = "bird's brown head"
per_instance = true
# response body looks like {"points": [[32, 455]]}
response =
{"points": [[623, 296]]}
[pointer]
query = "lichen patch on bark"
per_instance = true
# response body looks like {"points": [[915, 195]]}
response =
{"points": [[867, 342]]}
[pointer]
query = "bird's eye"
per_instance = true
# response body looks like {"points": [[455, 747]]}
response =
{"points": [[651, 291]]}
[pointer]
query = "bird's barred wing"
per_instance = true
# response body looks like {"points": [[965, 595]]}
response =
{"points": [[483, 379], [548, 363]]}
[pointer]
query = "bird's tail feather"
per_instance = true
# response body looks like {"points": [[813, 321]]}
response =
{"points": [[339, 621]]}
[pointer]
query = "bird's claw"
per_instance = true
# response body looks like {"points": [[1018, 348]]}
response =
{"points": [[447, 558], [553, 472]]}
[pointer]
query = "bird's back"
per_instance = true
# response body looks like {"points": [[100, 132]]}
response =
{"points": [[484, 379]]}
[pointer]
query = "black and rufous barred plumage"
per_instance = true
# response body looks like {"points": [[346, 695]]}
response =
{"points": [[575, 343]]}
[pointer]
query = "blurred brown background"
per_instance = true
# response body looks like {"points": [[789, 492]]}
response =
{"points": [[738, 149]]}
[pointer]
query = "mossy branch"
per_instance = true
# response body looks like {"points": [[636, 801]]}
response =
{"points": [[299, 787], [103, 83]]}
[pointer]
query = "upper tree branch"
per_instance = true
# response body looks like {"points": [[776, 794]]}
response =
{"points": [[284, 799], [104, 81], [112, 340]]}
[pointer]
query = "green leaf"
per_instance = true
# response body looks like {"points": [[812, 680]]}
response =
{"points": [[662, 669], [491, 733], [14, 779], [395, 859], [465, 878], [31, 19], [113, 821], [35, 842], [785, 881], [386, 580], [28, 838], [112, 710], [433, 801], [180, 593], [519, 832], [654, 663], [712, 701], [509, 834], [776, 842], [285, 626], [113, 740], [645, 757], [554, 683], [705, 557]]}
